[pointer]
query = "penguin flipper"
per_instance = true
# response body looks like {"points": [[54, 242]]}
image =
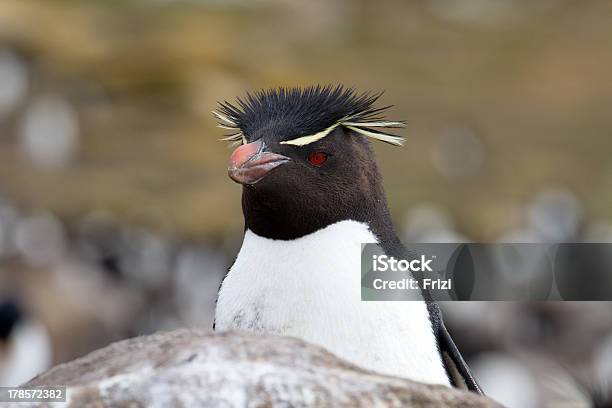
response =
{"points": [[458, 371]]}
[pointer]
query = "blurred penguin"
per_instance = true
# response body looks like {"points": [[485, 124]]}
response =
{"points": [[25, 347]]}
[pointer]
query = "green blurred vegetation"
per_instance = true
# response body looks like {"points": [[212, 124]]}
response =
{"points": [[533, 84]]}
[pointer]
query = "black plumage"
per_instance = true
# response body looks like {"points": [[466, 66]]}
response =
{"points": [[10, 315]]}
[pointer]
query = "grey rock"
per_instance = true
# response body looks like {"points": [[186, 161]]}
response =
{"points": [[196, 368]]}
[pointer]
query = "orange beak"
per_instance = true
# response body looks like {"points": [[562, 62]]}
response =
{"points": [[250, 163]]}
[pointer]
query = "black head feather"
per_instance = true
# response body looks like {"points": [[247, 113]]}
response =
{"points": [[288, 113]]}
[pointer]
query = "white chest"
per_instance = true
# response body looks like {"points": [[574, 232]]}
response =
{"points": [[311, 288]]}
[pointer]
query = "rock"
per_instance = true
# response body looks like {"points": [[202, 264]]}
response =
{"points": [[196, 368]]}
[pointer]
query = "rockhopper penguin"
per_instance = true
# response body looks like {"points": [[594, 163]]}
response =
{"points": [[312, 194]]}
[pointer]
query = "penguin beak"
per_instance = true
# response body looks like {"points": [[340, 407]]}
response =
{"points": [[250, 163]]}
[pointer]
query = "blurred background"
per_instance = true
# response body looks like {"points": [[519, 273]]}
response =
{"points": [[117, 217]]}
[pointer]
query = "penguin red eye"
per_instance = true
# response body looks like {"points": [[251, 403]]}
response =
{"points": [[317, 158]]}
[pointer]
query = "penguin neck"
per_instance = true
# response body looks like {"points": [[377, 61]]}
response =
{"points": [[288, 217]]}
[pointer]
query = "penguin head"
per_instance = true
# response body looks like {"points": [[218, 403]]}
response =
{"points": [[305, 159], [10, 315]]}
